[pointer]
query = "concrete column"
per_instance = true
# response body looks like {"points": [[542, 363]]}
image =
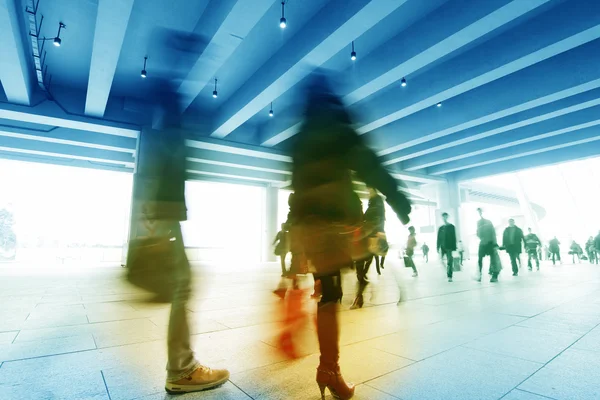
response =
{"points": [[271, 227], [530, 215]]}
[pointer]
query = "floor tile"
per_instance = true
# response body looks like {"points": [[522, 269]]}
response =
{"points": [[522, 395], [573, 375], [461, 374], [7, 337], [22, 350], [529, 344]]}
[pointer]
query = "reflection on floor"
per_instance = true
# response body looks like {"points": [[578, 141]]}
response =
{"points": [[81, 334]]}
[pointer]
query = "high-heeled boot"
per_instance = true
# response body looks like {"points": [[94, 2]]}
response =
{"points": [[328, 372]]}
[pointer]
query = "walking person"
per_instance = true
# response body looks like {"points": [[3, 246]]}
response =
{"points": [[282, 247], [532, 246], [375, 222], [461, 251], [591, 251], [554, 248], [328, 216], [159, 194], [487, 246], [409, 251], [446, 244], [425, 250], [576, 250], [512, 240]]}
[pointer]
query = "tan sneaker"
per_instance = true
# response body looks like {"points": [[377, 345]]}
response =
{"points": [[203, 378]]}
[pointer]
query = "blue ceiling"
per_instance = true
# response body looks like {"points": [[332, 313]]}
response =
{"points": [[518, 81]]}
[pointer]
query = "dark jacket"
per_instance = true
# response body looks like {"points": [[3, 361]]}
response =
{"points": [[486, 231], [512, 240], [375, 214], [532, 242], [554, 245], [411, 243], [597, 242], [446, 237], [325, 152]]}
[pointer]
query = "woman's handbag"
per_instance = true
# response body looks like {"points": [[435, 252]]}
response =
{"points": [[378, 245], [408, 262], [150, 264]]}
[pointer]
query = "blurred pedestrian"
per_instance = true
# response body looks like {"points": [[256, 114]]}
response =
{"points": [[282, 247], [328, 221], [512, 240], [446, 244], [409, 251], [532, 245], [425, 250], [487, 246], [554, 248]]}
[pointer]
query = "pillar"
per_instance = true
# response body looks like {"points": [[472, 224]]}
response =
{"points": [[271, 226]]}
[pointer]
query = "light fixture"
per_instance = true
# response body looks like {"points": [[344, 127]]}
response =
{"points": [[57, 40], [403, 82], [271, 110], [353, 54], [282, 21], [215, 91], [439, 104], [144, 73]]}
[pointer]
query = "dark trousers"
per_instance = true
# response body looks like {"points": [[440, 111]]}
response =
{"points": [[426, 257], [533, 255], [513, 261], [282, 259], [378, 263], [331, 287], [555, 256], [485, 249], [362, 268], [449, 260]]}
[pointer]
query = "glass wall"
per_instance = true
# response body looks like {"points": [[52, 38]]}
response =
{"points": [[57, 214], [225, 222], [569, 194]]}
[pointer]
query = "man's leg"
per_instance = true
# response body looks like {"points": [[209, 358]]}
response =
{"points": [[513, 263], [382, 261], [377, 264], [481, 254], [530, 255], [553, 258], [283, 268], [449, 268], [184, 372]]}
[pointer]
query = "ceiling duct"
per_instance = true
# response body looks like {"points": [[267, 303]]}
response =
{"points": [[39, 61]]}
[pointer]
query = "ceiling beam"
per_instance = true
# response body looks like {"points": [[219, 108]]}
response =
{"points": [[577, 152], [11, 144], [554, 123], [67, 162], [241, 18], [551, 142], [332, 29], [438, 38], [111, 25], [453, 135], [49, 113], [72, 137], [194, 166], [527, 44], [15, 72]]}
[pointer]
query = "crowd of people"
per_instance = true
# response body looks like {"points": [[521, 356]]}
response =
{"points": [[326, 231]]}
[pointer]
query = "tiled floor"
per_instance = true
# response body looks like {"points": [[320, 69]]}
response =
{"points": [[82, 333]]}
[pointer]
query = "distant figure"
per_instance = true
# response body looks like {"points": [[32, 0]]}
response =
{"points": [[446, 244], [282, 247], [590, 249], [375, 219], [576, 250], [425, 250], [487, 245], [532, 246], [411, 243], [597, 245], [512, 240], [461, 251], [554, 247]]}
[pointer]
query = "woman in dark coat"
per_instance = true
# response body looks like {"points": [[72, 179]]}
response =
{"points": [[328, 213]]}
